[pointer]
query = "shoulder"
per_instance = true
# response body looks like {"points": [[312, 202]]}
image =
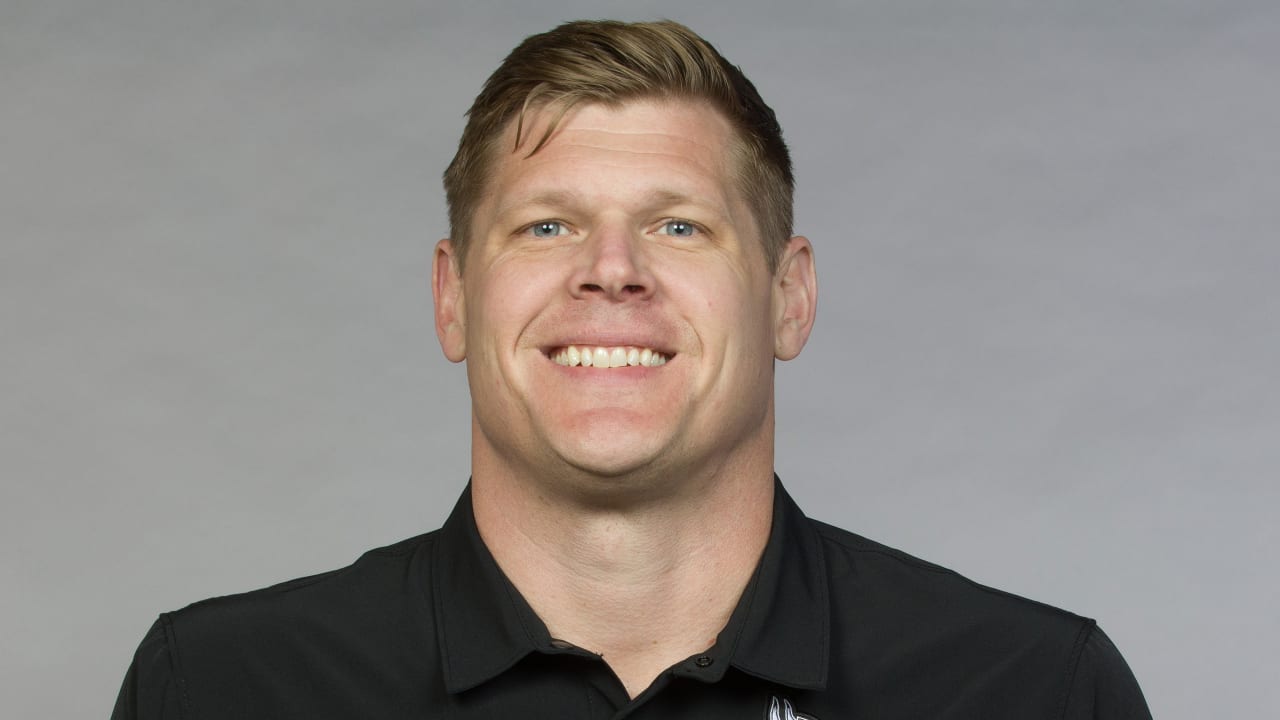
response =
{"points": [[895, 615], [259, 653], [363, 623], [377, 582], [895, 583]]}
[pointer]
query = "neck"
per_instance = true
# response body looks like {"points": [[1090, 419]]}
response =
{"points": [[644, 585]]}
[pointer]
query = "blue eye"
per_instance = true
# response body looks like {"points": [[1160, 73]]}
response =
{"points": [[679, 228], [547, 229]]}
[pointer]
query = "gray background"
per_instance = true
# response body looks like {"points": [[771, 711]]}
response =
{"points": [[1045, 353]]}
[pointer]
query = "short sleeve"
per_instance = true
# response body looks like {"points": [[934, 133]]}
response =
{"points": [[149, 691], [1104, 687]]}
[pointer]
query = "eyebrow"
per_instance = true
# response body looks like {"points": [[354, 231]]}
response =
{"points": [[551, 198]]}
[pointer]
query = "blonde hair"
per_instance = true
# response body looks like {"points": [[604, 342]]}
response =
{"points": [[610, 63]]}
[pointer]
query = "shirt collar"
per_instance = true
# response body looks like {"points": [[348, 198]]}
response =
{"points": [[779, 631], [483, 623]]}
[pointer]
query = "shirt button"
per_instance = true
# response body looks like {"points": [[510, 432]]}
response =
{"points": [[703, 661]]}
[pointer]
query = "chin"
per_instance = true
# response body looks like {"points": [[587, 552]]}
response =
{"points": [[610, 465], [598, 444], [613, 467]]}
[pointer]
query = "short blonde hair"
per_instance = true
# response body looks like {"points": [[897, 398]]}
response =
{"points": [[610, 63]]}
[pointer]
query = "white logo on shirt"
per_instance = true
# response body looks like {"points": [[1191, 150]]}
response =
{"points": [[785, 711]]}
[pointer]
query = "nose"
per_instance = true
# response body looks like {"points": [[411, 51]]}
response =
{"points": [[613, 266]]}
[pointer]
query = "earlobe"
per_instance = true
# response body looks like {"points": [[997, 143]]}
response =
{"points": [[795, 298], [446, 291]]}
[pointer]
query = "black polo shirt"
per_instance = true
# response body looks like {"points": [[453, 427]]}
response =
{"points": [[831, 626]]}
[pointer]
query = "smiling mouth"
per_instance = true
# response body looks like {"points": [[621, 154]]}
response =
{"points": [[608, 357]]}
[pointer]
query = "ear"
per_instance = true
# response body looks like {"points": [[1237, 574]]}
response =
{"points": [[446, 290], [795, 298]]}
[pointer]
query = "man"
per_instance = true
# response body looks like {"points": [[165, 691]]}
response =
{"points": [[620, 278]]}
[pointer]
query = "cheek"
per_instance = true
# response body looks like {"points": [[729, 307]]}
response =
{"points": [[740, 309], [710, 284], [506, 299]]}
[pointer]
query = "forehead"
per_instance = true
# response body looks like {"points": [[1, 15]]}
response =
{"points": [[637, 150]]}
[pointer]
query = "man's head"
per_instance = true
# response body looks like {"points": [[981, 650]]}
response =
{"points": [[611, 63], [621, 308]]}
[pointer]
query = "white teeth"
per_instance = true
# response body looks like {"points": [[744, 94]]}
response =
{"points": [[608, 357]]}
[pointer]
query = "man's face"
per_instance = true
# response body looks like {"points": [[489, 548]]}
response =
{"points": [[623, 241]]}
